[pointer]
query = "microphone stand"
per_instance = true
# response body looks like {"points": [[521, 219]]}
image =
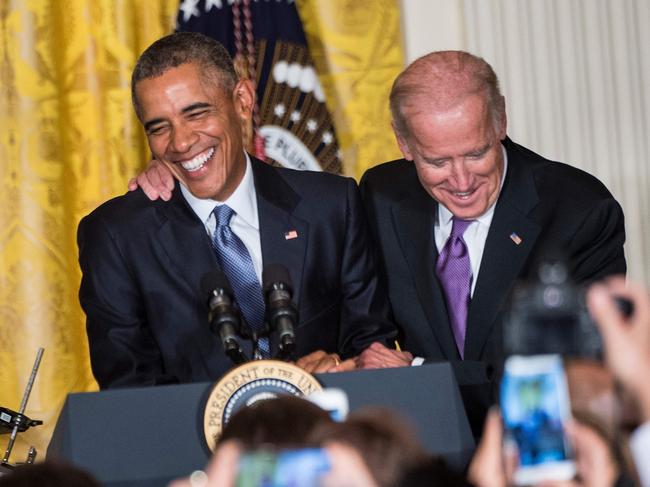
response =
{"points": [[255, 336], [19, 419], [286, 348], [235, 353]]}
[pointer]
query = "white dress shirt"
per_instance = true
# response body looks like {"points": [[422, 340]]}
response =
{"points": [[245, 223], [475, 234]]}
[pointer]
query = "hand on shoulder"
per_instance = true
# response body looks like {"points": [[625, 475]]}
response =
{"points": [[156, 181]]}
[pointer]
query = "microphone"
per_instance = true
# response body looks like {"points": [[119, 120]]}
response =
{"points": [[282, 314], [224, 315]]}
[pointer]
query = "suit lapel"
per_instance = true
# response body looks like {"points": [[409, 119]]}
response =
{"points": [[503, 257], [183, 237], [283, 235], [413, 220]]}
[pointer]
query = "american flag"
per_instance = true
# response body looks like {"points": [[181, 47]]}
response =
{"points": [[267, 41], [515, 238]]}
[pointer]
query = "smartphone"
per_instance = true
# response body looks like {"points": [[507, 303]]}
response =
{"points": [[535, 407], [286, 468]]}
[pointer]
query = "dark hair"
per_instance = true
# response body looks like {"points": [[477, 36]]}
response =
{"points": [[48, 474], [432, 472], [383, 439], [181, 48], [282, 422]]}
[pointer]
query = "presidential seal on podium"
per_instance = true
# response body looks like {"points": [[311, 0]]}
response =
{"points": [[251, 382]]}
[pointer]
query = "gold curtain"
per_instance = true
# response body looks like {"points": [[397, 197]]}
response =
{"points": [[68, 141], [357, 48]]}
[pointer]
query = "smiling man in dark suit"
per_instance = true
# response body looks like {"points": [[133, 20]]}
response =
{"points": [[466, 214], [142, 260]]}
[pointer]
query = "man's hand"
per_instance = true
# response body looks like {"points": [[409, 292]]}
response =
{"points": [[627, 340], [319, 361], [377, 356], [156, 181], [495, 462]]}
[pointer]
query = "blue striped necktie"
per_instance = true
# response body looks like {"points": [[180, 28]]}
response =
{"points": [[237, 264]]}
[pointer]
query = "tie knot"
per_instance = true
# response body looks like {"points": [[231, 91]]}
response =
{"points": [[459, 226], [223, 214]]}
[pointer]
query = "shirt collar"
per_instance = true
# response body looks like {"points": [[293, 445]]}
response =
{"points": [[242, 200], [445, 216]]}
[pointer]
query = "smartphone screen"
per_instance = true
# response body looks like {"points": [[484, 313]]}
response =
{"points": [[282, 469], [535, 407]]}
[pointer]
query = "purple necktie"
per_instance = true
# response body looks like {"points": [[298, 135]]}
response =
{"points": [[455, 274]]}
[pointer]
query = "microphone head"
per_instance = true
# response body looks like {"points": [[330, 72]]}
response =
{"points": [[214, 279], [274, 274]]}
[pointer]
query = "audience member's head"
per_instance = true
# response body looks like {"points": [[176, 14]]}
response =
{"points": [[283, 422], [387, 445], [348, 467], [48, 474]]}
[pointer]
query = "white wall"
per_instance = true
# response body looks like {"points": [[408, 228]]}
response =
{"points": [[431, 25], [575, 74]]}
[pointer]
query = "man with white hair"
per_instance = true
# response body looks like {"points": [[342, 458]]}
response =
{"points": [[466, 214]]}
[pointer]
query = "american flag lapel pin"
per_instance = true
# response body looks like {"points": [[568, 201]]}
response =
{"points": [[515, 238], [290, 235]]}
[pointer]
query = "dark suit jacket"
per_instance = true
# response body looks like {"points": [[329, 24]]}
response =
{"points": [[549, 205], [142, 262]]}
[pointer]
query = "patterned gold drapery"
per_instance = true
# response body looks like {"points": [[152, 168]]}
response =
{"points": [[68, 141], [357, 49]]}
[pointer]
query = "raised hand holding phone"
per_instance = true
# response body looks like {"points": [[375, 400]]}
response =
{"points": [[535, 409]]}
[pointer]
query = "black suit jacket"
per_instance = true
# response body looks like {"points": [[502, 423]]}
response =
{"points": [[549, 205], [142, 262]]}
